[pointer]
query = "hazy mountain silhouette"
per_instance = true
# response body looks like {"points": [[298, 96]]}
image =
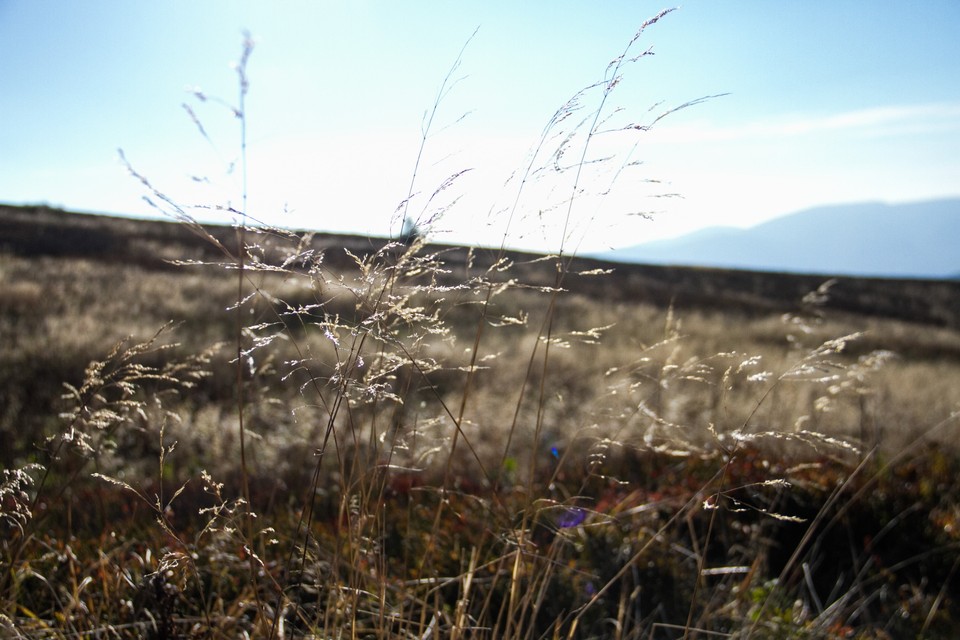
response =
{"points": [[919, 239]]}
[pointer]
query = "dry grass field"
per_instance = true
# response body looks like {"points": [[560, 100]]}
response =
{"points": [[437, 441]]}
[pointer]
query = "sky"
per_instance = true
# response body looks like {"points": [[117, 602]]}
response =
{"points": [[815, 103]]}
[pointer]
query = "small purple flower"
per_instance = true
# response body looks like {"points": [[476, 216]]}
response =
{"points": [[571, 517]]}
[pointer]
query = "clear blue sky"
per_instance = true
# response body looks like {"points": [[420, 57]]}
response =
{"points": [[829, 102]]}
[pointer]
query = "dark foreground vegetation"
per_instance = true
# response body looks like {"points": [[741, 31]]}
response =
{"points": [[249, 432]]}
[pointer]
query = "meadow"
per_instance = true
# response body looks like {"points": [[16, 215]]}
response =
{"points": [[254, 432], [642, 470]]}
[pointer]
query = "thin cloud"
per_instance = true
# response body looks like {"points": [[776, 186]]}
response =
{"points": [[872, 122]]}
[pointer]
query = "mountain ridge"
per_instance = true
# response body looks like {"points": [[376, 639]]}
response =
{"points": [[871, 239]]}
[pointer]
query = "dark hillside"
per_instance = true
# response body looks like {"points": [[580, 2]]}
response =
{"points": [[42, 231]]}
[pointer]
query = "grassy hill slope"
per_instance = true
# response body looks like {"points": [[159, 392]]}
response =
{"points": [[40, 231]]}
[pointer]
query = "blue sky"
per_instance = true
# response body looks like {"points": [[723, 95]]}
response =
{"points": [[828, 102]]}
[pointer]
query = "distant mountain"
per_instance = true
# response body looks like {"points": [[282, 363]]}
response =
{"points": [[919, 239]]}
